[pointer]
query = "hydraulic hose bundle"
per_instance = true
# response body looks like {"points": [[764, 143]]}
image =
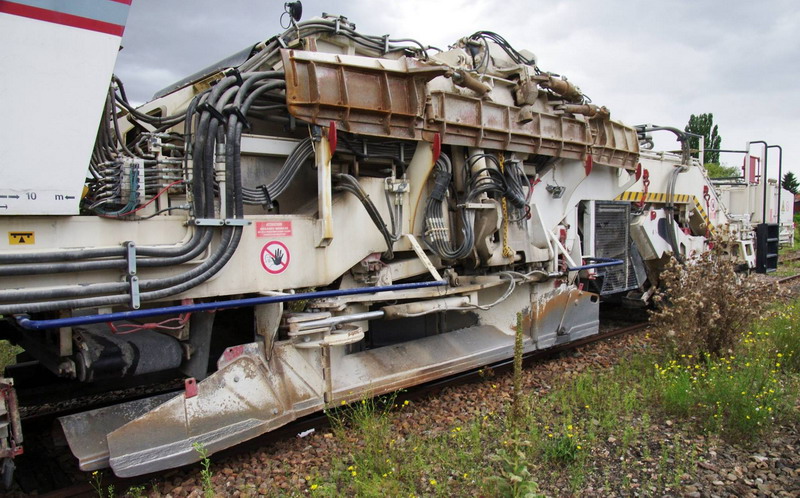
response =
{"points": [[220, 117], [508, 182], [122, 173], [437, 233]]}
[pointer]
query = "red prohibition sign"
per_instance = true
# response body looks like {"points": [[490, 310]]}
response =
{"points": [[275, 257]]}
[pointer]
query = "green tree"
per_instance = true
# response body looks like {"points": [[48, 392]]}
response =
{"points": [[703, 124], [721, 171], [790, 183]]}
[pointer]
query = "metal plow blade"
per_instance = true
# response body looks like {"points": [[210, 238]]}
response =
{"points": [[86, 432], [240, 401]]}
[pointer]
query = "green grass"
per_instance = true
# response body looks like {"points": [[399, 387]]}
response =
{"points": [[597, 417], [779, 338], [736, 396]]}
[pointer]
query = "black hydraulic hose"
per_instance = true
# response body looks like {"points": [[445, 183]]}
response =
{"points": [[207, 126], [294, 161], [196, 274], [66, 255], [155, 120], [201, 277], [45, 268], [72, 292], [200, 240], [682, 137], [115, 123], [349, 184], [197, 187], [204, 151], [233, 133], [200, 236], [437, 235], [210, 271], [87, 290], [158, 287]]}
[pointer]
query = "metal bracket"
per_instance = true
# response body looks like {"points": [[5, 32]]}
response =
{"points": [[396, 186], [556, 191], [477, 205], [230, 222], [423, 257], [322, 161], [133, 280]]}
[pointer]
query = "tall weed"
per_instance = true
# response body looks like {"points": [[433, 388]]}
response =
{"points": [[704, 305]]}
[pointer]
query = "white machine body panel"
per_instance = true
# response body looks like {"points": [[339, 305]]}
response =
{"points": [[51, 50]]}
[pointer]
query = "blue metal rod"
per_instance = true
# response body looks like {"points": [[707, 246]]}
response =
{"points": [[25, 322], [601, 263]]}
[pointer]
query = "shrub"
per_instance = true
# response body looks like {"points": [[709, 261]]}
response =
{"points": [[704, 305]]}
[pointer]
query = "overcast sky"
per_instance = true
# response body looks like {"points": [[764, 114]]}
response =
{"points": [[648, 62]]}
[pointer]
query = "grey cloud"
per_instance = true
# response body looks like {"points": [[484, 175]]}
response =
{"points": [[647, 61]]}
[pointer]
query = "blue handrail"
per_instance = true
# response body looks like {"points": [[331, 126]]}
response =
{"points": [[600, 263], [25, 321]]}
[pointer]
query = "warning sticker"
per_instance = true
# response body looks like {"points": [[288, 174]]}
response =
{"points": [[275, 257], [20, 238], [269, 229]]}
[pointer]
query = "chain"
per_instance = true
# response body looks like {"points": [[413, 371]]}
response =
{"points": [[507, 252]]}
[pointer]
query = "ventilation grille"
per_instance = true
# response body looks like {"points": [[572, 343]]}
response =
{"points": [[612, 240]]}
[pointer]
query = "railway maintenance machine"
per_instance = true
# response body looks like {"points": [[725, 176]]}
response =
{"points": [[322, 217]]}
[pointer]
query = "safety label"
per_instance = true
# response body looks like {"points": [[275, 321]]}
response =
{"points": [[269, 229], [21, 238], [275, 257]]}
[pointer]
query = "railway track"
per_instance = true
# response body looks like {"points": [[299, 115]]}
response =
{"points": [[789, 279]]}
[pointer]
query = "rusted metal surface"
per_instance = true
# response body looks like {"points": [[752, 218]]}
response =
{"points": [[390, 98], [10, 425], [564, 315], [786, 280], [366, 95]]}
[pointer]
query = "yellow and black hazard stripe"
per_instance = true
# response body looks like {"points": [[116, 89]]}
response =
{"points": [[654, 197], [660, 197], [699, 207]]}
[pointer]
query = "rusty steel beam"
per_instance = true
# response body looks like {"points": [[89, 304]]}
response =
{"points": [[390, 98]]}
